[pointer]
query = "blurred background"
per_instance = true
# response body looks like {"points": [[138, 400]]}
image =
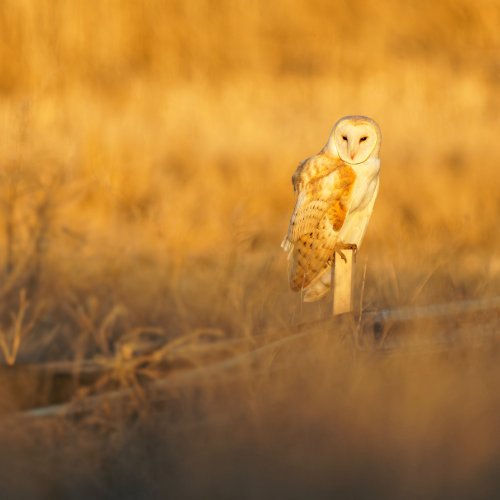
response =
{"points": [[146, 152]]}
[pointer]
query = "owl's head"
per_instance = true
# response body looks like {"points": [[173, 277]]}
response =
{"points": [[355, 139]]}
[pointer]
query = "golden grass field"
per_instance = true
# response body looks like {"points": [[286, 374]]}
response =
{"points": [[146, 151]]}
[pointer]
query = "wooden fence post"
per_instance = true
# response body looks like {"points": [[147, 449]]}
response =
{"points": [[342, 283]]}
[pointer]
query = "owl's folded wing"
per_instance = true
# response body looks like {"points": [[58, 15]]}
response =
{"points": [[319, 214], [328, 195]]}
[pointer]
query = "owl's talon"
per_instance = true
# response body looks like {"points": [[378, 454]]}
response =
{"points": [[342, 255], [347, 246], [354, 248]]}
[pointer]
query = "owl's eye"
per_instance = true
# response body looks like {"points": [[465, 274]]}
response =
{"points": [[344, 137], [363, 138]]}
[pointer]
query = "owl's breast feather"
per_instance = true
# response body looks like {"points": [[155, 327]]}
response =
{"points": [[365, 185]]}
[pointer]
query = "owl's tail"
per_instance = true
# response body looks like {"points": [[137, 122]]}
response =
{"points": [[319, 287], [286, 245]]}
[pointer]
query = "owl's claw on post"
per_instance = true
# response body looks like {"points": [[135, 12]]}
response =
{"points": [[342, 254], [346, 246], [354, 248]]}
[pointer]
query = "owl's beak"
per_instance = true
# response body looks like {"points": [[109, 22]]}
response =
{"points": [[352, 155]]}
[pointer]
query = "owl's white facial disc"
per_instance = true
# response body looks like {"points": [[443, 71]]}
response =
{"points": [[355, 140]]}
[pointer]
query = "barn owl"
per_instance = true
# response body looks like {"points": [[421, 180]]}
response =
{"points": [[336, 190]]}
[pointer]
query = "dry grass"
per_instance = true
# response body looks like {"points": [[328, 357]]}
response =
{"points": [[146, 151]]}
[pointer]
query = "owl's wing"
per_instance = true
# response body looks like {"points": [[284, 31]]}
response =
{"points": [[297, 175], [319, 214], [313, 184]]}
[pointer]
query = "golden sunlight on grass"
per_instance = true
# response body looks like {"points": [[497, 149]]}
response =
{"points": [[146, 150]]}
